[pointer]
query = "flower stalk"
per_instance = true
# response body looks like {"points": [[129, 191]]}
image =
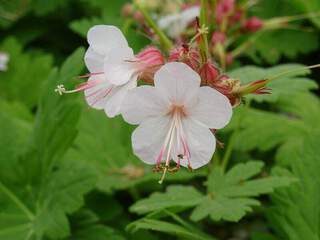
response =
{"points": [[165, 42]]}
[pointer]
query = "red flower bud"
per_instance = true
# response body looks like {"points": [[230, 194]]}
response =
{"points": [[138, 16], [237, 16], [150, 60], [252, 24], [223, 9], [127, 10], [187, 55], [218, 37], [229, 59], [209, 74]]}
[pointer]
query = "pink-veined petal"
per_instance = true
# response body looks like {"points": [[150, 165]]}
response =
{"points": [[116, 97], [148, 138], [118, 68], [178, 83], [96, 95], [213, 108], [201, 144], [142, 103], [94, 61], [103, 38]]}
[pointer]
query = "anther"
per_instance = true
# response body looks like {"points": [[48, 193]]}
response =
{"points": [[60, 89]]}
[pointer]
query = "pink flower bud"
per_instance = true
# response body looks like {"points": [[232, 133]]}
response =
{"points": [[253, 24], [150, 60], [186, 55], [229, 59], [224, 8], [127, 10], [209, 74], [218, 37], [236, 17], [138, 17]]}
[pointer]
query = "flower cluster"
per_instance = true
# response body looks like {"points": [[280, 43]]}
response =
{"points": [[183, 104], [230, 24]]}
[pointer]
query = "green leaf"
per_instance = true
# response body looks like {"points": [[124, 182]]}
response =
{"points": [[40, 190], [270, 46], [57, 116], [16, 119], [265, 130], [295, 212], [24, 78], [309, 7], [166, 227], [41, 7], [230, 194], [175, 196], [97, 232], [285, 86]]}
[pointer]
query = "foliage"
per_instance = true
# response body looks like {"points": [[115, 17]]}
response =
{"points": [[68, 172]]}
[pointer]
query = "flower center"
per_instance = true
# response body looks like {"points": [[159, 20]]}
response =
{"points": [[175, 142]]}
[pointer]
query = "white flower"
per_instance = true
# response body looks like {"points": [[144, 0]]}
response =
{"points": [[176, 23], [114, 69], [4, 59], [175, 118]]}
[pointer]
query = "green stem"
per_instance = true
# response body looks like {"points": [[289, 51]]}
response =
{"points": [[164, 40], [17, 201], [204, 45]]}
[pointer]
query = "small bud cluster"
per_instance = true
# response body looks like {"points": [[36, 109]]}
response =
{"points": [[229, 21], [230, 25]]}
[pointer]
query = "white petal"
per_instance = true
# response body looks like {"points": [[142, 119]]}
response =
{"points": [[190, 14], [117, 67], [96, 96], [173, 24], [148, 138], [94, 61], [213, 108], [201, 143], [142, 103], [176, 24], [103, 38], [116, 97], [178, 83]]}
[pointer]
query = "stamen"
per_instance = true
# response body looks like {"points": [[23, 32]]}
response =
{"points": [[175, 133], [163, 175], [90, 74]]}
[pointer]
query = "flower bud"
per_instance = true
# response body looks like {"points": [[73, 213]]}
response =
{"points": [[186, 55], [208, 73], [150, 60], [224, 9], [256, 87], [127, 10], [252, 24], [236, 17], [229, 59], [218, 37], [138, 16]]}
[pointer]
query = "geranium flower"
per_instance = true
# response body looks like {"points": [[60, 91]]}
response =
{"points": [[114, 69], [175, 118], [4, 59], [176, 23]]}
